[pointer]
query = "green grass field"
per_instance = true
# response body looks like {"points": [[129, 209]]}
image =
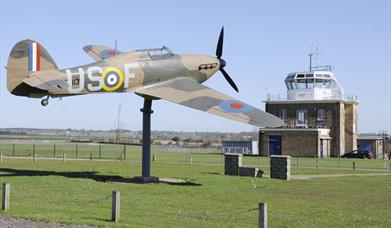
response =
{"points": [[202, 155], [70, 192]]}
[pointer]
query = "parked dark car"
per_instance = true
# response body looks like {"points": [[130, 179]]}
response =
{"points": [[358, 154]]}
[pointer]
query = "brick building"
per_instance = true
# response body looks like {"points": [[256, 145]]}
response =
{"points": [[319, 121], [373, 144]]}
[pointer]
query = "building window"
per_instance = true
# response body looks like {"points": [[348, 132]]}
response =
{"points": [[321, 114], [301, 117], [283, 114]]}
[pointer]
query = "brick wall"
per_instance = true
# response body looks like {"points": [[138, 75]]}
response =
{"points": [[341, 122], [293, 143], [280, 167], [232, 162], [350, 127]]}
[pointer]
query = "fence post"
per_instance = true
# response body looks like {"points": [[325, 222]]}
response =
{"points": [[317, 163], [115, 206], [354, 165], [54, 150], [90, 156], [339, 161], [154, 158], [76, 152], [35, 157], [124, 152], [64, 157], [1, 158], [100, 151], [5, 203], [297, 161], [33, 149], [190, 160], [262, 207], [13, 149]]}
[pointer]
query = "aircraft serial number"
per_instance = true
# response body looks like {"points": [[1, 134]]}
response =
{"points": [[75, 82]]}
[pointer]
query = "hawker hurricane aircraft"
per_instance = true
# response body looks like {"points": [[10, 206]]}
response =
{"points": [[153, 73]]}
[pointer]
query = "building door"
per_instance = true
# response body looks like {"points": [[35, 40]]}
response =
{"points": [[274, 144], [365, 145]]}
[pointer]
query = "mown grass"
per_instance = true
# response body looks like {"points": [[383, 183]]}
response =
{"points": [[68, 192]]}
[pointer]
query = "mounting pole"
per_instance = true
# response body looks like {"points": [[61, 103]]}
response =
{"points": [[147, 111], [146, 149]]}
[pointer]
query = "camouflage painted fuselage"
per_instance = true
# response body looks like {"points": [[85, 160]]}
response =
{"points": [[131, 71]]}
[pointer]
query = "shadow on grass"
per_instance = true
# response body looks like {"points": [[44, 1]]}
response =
{"points": [[7, 172], [98, 219], [212, 173]]}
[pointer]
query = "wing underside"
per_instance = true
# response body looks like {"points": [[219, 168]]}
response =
{"points": [[188, 92]]}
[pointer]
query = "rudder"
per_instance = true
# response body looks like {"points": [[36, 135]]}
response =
{"points": [[26, 57]]}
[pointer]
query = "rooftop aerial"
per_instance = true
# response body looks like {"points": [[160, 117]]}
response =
{"points": [[318, 83]]}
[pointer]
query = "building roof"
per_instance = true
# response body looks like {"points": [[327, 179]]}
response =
{"points": [[324, 132], [369, 137], [294, 129], [311, 101]]}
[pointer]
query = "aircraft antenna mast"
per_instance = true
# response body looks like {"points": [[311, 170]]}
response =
{"points": [[115, 47]]}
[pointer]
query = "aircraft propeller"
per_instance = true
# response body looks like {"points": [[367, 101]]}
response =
{"points": [[219, 53]]}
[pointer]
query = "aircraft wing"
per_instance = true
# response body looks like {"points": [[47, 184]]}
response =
{"points": [[100, 52], [188, 92]]}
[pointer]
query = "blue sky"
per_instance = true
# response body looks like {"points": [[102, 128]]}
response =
{"points": [[264, 41]]}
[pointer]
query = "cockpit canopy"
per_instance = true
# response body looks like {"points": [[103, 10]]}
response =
{"points": [[155, 53], [310, 80]]}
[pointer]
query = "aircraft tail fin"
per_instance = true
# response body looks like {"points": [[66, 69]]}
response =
{"points": [[27, 57]]}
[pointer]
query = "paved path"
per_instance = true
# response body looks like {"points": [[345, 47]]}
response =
{"points": [[307, 177], [9, 222]]}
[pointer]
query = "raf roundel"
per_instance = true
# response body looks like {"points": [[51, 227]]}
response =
{"points": [[112, 79], [235, 106], [107, 53]]}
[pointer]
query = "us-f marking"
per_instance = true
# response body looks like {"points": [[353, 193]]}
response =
{"points": [[100, 79]]}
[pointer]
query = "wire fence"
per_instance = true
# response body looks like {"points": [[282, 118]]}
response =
{"points": [[171, 154], [19, 200]]}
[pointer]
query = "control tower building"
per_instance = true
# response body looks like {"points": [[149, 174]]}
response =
{"points": [[319, 121]]}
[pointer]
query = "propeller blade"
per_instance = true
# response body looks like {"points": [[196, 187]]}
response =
{"points": [[219, 48], [229, 79]]}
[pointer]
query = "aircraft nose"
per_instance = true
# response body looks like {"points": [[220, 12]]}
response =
{"points": [[222, 63]]}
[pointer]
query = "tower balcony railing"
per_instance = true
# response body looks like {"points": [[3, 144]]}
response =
{"points": [[283, 97], [296, 125]]}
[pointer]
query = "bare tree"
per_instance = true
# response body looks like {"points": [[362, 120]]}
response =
{"points": [[119, 125]]}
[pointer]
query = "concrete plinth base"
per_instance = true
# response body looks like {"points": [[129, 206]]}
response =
{"points": [[144, 180]]}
